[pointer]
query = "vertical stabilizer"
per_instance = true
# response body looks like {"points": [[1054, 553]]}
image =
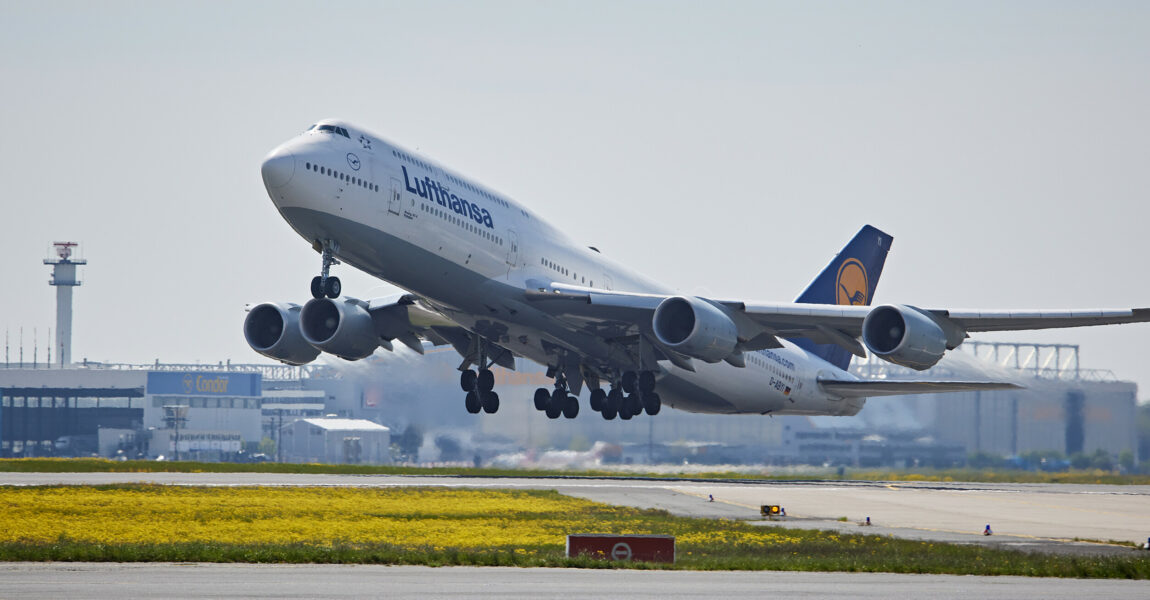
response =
{"points": [[851, 278]]}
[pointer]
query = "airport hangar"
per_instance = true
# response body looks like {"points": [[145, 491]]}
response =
{"points": [[135, 411]]}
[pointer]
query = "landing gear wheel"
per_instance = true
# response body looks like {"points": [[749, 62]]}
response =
{"points": [[542, 399], [332, 288], [571, 408], [624, 413], [486, 380], [598, 400], [472, 402], [554, 409], [490, 402], [646, 382], [467, 380], [629, 381], [652, 403], [634, 404], [317, 287], [615, 400], [608, 412]]}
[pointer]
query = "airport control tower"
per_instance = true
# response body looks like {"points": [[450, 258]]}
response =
{"points": [[64, 278]]}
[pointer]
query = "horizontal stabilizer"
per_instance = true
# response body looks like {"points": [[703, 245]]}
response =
{"points": [[870, 388]]}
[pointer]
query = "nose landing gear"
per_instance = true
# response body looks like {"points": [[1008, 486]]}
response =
{"points": [[323, 284]]}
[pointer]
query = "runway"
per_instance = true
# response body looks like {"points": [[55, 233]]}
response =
{"points": [[1039, 517], [102, 581]]}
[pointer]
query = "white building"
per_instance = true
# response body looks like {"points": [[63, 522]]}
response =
{"points": [[326, 440]]}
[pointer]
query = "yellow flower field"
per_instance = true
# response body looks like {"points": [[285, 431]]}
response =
{"points": [[432, 518], [448, 526]]}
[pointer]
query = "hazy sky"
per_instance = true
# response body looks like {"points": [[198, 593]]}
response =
{"points": [[723, 148]]}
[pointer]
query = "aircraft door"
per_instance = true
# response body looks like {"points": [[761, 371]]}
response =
{"points": [[394, 198], [512, 247]]}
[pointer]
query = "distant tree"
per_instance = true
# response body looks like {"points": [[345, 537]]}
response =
{"points": [[985, 460], [268, 446], [1126, 461], [1080, 460], [1101, 459], [449, 448], [408, 443]]}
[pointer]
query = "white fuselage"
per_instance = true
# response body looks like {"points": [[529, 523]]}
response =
{"points": [[472, 253]]}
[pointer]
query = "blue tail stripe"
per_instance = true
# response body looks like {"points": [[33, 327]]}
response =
{"points": [[851, 278]]}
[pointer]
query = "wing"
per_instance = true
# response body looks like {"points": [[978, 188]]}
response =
{"points": [[989, 320], [408, 319], [872, 388], [760, 325]]}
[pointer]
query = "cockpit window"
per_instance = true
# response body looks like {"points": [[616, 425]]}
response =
{"points": [[334, 129]]}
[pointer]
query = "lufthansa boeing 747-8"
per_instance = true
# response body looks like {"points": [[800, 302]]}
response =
{"points": [[490, 277]]}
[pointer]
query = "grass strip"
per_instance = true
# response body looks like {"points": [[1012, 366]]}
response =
{"points": [[98, 465], [438, 527]]}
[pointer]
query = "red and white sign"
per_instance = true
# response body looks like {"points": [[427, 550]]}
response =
{"points": [[647, 548]]}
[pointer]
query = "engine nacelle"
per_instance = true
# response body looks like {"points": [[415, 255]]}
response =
{"points": [[904, 336], [340, 327], [696, 328], [273, 331]]}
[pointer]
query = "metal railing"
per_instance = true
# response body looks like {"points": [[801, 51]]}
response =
{"points": [[268, 372], [1041, 361]]}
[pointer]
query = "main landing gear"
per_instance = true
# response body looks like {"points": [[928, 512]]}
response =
{"points": [[479, 387], [633, 394], [557, 402], [323, 285]]}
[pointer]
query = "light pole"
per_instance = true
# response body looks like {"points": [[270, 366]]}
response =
{"points": [[174, 416]]}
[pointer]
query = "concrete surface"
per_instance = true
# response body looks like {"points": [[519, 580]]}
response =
{"points": [[115, 581]]}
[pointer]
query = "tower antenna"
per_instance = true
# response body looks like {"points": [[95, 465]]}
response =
{"points": [[64, 279]]}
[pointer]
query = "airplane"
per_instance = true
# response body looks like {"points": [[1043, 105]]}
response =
{"points": [[490, 277]]}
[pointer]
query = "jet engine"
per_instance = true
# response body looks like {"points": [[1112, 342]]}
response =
{"points": [[273, 331], [904, 336], [341, 327], [696, 328]]}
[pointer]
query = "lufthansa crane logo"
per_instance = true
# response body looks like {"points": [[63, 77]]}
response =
{"points": [[353, 161], [852, 283]]}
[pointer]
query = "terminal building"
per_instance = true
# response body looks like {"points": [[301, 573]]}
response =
{"points": [[53, 411]]}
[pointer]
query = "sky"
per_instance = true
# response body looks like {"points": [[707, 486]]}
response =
{"points": [[723, 148]]}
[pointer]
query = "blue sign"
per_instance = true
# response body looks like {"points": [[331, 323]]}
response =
{"points": [[203, 383]]}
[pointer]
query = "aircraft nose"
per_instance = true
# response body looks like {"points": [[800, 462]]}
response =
{"points": [[278, 168]]}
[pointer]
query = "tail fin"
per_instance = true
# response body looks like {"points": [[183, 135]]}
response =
{"points": [[851, 278]]}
